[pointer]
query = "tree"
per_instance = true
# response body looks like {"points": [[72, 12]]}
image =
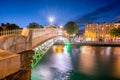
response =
{"points": [[1, 29], [115, 32], [9, 26], [71, 28], [34, 25], [2, 24], [12, 26]]}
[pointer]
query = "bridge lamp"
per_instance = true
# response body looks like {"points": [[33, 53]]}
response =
{"points": [[51, 19], [61, 26]]}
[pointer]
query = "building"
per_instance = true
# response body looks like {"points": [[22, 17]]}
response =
{"points": [[80, 35], [99, 32]]}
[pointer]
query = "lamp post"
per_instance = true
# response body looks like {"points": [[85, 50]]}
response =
{"points": [[51, 19]]}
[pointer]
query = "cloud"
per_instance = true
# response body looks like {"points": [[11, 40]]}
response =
{"points": [[99, 13]]}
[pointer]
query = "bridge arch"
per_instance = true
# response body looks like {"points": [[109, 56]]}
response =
{"points": [[41, 49]]}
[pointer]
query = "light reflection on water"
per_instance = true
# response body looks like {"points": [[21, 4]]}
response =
{"points": [[86, 63], [87, 59], [55, 67], [116, 67], [100, 62]]}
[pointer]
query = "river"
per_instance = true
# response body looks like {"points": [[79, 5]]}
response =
{"points": [[81, 63]]}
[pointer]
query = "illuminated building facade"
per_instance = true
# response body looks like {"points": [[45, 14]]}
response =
{"points": [[99, 32]]}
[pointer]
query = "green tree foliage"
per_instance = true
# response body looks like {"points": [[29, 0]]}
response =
{"points": [[1, 29], [9, 26], [71, 28], [34, 25], [12, 26], [2, 24], [115, 32]]}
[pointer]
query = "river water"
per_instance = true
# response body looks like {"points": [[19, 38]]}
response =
{"points": [[81, 63]]}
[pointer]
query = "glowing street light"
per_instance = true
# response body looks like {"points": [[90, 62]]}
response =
{"points": [[61, 26], [51, 19]]}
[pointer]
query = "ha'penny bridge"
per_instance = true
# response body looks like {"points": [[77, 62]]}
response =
{"points": [[21, 50]]}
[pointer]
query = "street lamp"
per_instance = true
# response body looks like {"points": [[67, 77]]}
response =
{"points": [[51, 19], [61, 26]]}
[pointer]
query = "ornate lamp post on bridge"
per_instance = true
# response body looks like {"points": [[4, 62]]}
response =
{"points": [[51, 19]]}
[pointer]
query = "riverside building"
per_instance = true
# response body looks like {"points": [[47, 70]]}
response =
{"points": [[99, 32]]}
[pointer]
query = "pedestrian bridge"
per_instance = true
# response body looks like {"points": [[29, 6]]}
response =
{"points": [[21, 41], [27, 39]]}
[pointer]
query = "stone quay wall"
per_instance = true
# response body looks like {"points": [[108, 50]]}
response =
{"points": [[24, 72]]}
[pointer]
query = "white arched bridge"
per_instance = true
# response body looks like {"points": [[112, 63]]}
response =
{"points": [[20, 41], [26, 39]]}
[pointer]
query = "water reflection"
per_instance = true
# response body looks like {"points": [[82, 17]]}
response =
{"points": [[61, 61], [87, 50], [87, 60], [56, 66], [108, 50], [88, 63], [116, 51], [116, 67], [102, 62]]}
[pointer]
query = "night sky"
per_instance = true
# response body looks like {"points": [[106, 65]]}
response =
{"points": [[22, 12]]}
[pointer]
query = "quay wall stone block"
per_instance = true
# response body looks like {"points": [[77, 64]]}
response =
{"points": [[9, 63], [15, 43], [28, 44], [12, 49], [4, 39], [20, 39], [20, 47], [8, 42], [25, 72]]}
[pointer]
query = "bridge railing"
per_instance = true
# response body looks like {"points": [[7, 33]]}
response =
{"points": [[36, 32], [26, 39], [40, 35], [10, 32]]}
